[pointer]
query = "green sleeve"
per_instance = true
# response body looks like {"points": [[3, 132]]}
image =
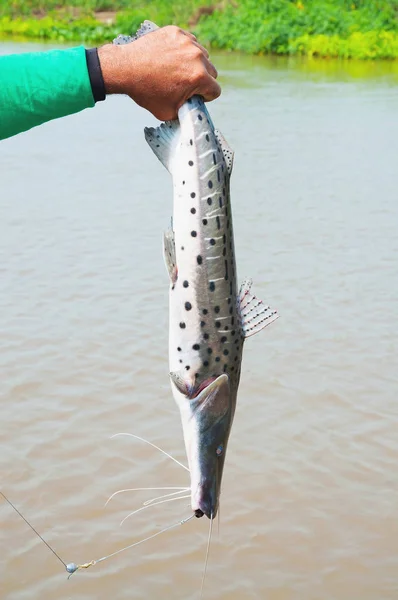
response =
{"points": [[40, 86]]}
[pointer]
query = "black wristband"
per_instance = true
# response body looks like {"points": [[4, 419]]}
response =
{"points": [[95, 74]]}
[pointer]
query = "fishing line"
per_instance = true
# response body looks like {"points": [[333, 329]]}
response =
{"points": [[72, 568], [33, 529]]}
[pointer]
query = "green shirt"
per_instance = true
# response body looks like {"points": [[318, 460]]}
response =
{"points": [[39, 86]]}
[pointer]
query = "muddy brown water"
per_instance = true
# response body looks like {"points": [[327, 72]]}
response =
{"points": [[310, 495]]}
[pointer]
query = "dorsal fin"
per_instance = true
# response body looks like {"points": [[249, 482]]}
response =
{"points": [[254, 314]]}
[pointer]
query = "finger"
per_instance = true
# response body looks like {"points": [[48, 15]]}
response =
{"points": [[202, 48], [210, 68], [189, 34], [209, 90]]}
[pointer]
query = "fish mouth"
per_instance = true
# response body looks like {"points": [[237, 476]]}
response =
{"points": [[198, 513]]}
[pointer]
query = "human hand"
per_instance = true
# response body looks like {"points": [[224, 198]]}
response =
{"points": [[160, 71]]}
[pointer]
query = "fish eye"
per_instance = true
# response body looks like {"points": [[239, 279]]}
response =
{"points": [[220, 450]]}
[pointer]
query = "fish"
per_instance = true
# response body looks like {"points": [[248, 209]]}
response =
{"points": [[209, 318]]}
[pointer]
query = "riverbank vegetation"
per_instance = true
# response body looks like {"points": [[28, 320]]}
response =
{"points": [[365, 29]]}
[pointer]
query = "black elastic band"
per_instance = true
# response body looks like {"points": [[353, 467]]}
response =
{"points": [[95, 74]]}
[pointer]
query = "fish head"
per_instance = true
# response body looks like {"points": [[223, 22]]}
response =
{"points": [[206, 421]]}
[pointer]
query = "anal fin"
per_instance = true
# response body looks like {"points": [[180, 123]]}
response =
{"points": [[169, 253], [163, 140], [254, 314]]}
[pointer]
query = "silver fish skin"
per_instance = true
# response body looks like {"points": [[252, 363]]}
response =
{"points": [[208, 319], [208, 325]]}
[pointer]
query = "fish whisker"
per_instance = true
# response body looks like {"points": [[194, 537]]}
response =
{"points": [[182, 489], [149, 502], [150, 506], [207, 556], [137, 437]]}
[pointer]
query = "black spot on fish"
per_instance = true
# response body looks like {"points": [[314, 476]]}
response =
{"points": [[193, 233], [179, 349], [204, 221], [226, 328], [231, 310], [180, 361], [209, 351], [236, 358], [183, 183], [224, 252], [188, 306], [200, 117], [233, 321], [217, 309], [223, 191], [206, 336], [214, 159], [207, 137], [191, 142], [202, 323], [212, 286], [196, 347], [185, 284], [190, 163], [212, 242], [209, 201], [229, 300], [206, 363], [217, 359], [193, 210], [205, 311], [193, 194], [223, 339], [210, 183], [218, 175], [187, 367], [224, 238], [226, 270], [182, 248], [199, 259], [182, 325], [225, 368], [218, 324], [218, 222]]}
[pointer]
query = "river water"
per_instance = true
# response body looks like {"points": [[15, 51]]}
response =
{"points": [[310, 493]]}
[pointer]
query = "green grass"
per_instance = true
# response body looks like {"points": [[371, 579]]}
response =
{"points": [[365, 29]]}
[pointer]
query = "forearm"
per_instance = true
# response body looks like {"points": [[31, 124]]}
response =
{"points": [[39, 87]]}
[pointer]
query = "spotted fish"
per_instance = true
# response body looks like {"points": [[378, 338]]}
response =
{"points": [[209, 319]]}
